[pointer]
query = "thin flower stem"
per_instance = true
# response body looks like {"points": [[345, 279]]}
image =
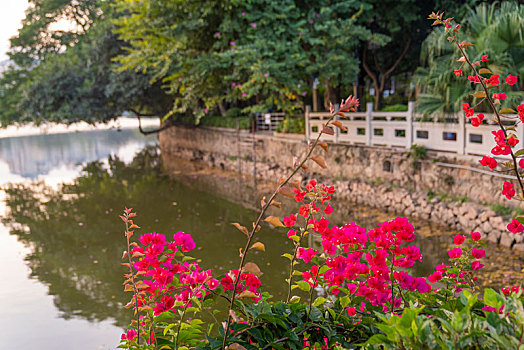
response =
{"points": [[494, 109], [257, 222], [311, 292], [292, 264], [180, 324], [135, 289]]}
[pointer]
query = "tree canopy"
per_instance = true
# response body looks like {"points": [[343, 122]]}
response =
{"points": [[93, 60]]}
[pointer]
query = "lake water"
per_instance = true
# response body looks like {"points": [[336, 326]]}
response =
{"points": [[61, 245]]}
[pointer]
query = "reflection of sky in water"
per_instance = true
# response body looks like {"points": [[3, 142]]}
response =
{"points": [[36, 157], [30, 318]]}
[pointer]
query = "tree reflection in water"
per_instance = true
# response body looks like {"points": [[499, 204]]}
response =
{"points": [[76, 237]]}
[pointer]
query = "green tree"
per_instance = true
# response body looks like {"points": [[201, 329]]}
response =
{"points": [[258, 55], [68, 76]]}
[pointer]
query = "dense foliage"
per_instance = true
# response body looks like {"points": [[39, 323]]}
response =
{"points": [[94, 59], [498, 31]]}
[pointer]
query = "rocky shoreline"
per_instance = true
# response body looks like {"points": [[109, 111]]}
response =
{"points": [[466, 217]]}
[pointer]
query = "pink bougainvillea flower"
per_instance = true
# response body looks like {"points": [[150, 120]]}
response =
{"points": [[185, 241], [476, 265], [290, 220], [489, 162], [478, 253], [232, 43], [493, 80], [473, 79], [512, 141], [489, 308], [500, 96], [459, 239], [515, 226], [484, 58], [306, 254], [521, 163], [254, 25], [508, 190], [129, 335], [475, 236], [351, 311], [458, 72], [435, 277], [511, 80], [328, 210], [477, 121], [469, 112], [455, 253]]}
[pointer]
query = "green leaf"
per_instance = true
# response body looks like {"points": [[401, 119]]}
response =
{"points": [[303, 285], [319, 301]]}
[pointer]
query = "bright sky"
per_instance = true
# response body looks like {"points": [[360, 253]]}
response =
{"points": [[11, 14]]}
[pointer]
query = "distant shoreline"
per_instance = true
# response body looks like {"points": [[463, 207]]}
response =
{"points": [[54, 128]]}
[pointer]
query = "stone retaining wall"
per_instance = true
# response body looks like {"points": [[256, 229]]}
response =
{"points": [[404, 182]]}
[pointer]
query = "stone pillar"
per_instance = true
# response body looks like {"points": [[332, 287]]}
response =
{"points": [[369, 122], [409, 122]]}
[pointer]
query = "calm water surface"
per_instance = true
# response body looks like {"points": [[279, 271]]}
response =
{"points": [[61, 245]]}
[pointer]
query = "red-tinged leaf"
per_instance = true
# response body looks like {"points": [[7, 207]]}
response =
{"points": [[241, 228], [128, 288], [320, 161], [276, 204], [246, 294], [485, 71], [133, 244], [465, 44], [304, 167], [124, 254], [139, 273], [479, 94], [462, 59], [295, 184], [263, 201], [132, 215], [252, 268], [129, 280], [339, 125], [257, 228], [124, 219], [507, 110], [134, 226], [129, 234], [273, 220], [259, 246], [141, 285], [144, 308], [234, 316], [477, 63], [341, 114], [437, 22], [323, 145], [130, 304], [328, 130], [236, 346], [137, 254], [286, 191], [126, 265]]}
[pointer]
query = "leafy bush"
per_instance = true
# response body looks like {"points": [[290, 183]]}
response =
{"points": [[233, 112], [226, 122], [395, 108], [292, 126]]}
